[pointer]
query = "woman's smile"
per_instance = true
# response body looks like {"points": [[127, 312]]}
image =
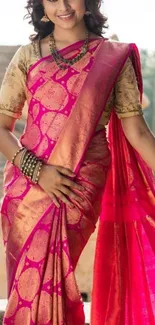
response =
{"points": [[67, 16]]}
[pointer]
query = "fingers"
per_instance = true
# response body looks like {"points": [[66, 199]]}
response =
{"points": [[65, 171], [54, 199], [65, 181], [70, 194], [62, 197], [69, 183], [61, 194]]}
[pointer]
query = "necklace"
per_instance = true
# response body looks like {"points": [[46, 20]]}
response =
{"points": [[60, 60]]}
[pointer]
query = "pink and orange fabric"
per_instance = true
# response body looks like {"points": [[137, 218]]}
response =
{"points": [[43, 243]]}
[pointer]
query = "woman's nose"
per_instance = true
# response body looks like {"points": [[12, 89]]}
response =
{"points": [[63, 5]]}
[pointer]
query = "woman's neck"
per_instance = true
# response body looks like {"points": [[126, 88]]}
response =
{"points": [[70, 36]]}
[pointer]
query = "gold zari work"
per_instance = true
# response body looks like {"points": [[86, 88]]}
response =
{"points": [[124, 96]]}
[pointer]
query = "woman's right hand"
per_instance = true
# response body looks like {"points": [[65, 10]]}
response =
{"points": [[55, 182]]}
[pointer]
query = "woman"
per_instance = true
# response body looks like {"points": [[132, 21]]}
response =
{"points": [[61, 175]]}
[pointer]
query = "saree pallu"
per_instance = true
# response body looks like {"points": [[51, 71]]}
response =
{"points": [[43, 243], [124, 281]]}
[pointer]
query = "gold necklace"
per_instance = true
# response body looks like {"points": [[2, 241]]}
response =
{"points": [[60, 60]]}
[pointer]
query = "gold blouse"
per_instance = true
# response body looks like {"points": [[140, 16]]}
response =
{"points": [[124, 96]]}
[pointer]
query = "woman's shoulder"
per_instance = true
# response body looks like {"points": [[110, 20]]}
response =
{"points": [[28, 54], [29, 49], [117, 45]]}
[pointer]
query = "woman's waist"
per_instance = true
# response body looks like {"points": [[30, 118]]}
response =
{"points": [[98, 151], [19, 192], [92, 172], [97, 156]]}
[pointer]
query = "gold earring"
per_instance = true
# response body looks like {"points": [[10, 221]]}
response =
{"points": [[45, 19]]}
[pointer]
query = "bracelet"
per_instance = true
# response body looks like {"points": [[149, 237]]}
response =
{"points": [[24, 162], [33, 167], [23, 157], [15, 155], [30, 165], [36, 174]]}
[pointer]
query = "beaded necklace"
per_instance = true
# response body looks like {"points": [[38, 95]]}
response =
{"points": [[60, 60]]}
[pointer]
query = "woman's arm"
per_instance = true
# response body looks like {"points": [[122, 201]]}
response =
{"points": [[128, 109], [141, 138], [9, 144], [12, 99]]}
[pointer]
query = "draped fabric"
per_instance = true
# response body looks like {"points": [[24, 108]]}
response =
{"points": [[43, 242], [124, 282]]}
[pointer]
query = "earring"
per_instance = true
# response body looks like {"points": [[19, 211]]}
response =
{"points": [[45, 19], [88, 13]]}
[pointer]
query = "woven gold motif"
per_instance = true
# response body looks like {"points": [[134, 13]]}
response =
{"points": [[124, 97]]}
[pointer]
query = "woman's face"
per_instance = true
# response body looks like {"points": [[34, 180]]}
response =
{"points": [[65, 13]]}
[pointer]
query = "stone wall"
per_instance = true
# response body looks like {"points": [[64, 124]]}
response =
{"points": [[85, 265]]}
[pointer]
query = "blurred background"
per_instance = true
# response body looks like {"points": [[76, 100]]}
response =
{"points": [[129, 21]]}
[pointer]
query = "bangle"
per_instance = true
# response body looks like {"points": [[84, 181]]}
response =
{"points": [[22, 157], [30, 166], [33, 166], [37, 171], [15, 155], [24, 162]]}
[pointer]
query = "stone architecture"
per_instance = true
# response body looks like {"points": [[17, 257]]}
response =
{"points": [[85, 266]]}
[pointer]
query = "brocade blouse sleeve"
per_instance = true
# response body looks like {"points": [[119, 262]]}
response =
{"points": [[126, 93], [12, 92]]}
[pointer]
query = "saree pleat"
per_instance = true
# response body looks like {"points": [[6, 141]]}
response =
{"points": [[44, 281]]}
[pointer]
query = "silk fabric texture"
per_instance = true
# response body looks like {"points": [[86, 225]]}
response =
{"points": [[43, 243]]}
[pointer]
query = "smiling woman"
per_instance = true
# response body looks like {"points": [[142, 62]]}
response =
{"points": [[66, 171], [54, 10]]}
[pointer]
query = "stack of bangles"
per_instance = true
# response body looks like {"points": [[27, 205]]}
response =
{"points": [[30, 165]]}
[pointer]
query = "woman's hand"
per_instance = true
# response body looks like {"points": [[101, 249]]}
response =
{"points": [[54, 181]]}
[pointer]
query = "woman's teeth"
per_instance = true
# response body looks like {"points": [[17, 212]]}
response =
{"points": [[66, 16]]}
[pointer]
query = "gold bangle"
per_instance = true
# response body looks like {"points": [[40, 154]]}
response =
{"points": [[15, 155], [32, 166], [35, 172], [22, 157], [38, 172], [28, 165], [26, 157]]}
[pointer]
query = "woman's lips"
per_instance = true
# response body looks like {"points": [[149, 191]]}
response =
{"points": [[66, 17]]}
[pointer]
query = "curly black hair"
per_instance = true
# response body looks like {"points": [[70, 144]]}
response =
{"points": [[96, 22]]}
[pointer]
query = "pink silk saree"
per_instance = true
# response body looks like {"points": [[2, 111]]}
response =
{"points": [[43, 243]]}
